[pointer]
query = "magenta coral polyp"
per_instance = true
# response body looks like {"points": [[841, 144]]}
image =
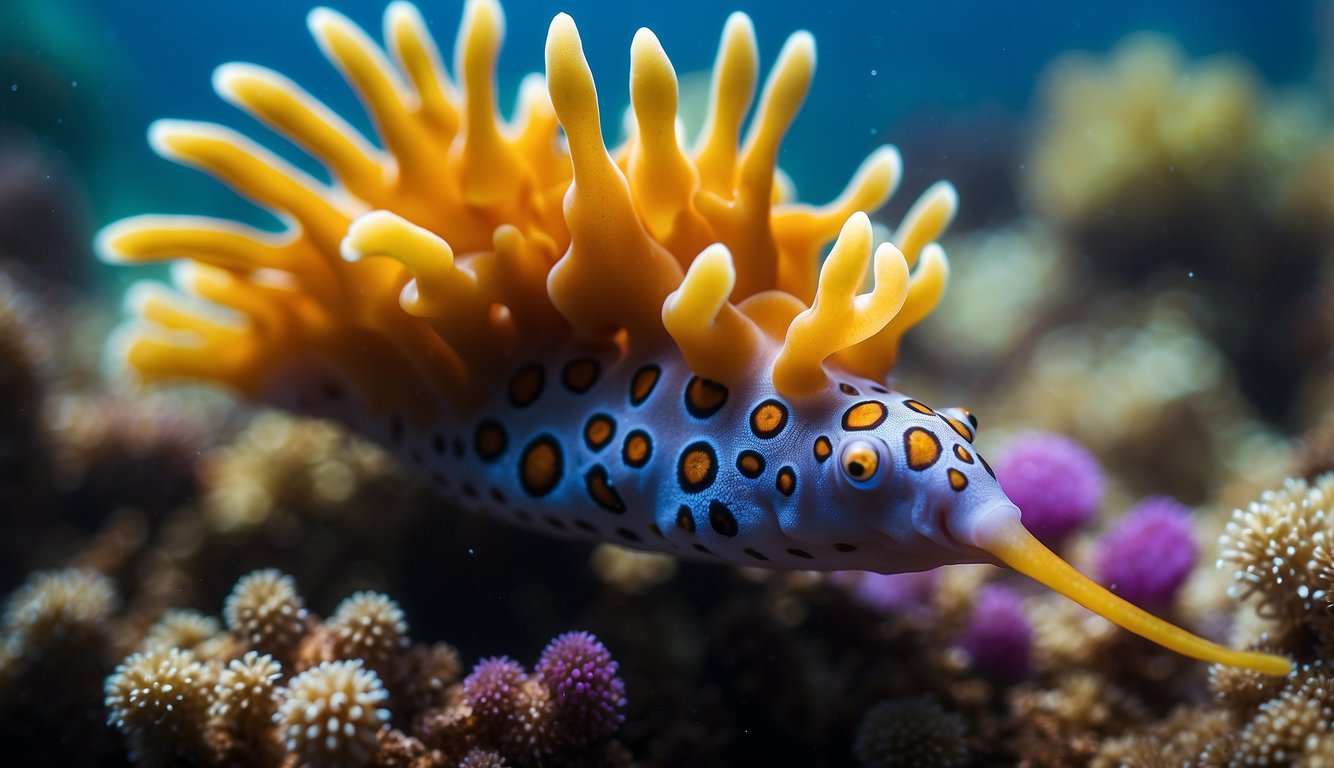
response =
{"points": [[587, 695], [1149, 555], [1054, 480], [999, 635]]}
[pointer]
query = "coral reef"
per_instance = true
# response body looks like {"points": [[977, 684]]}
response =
{"points": [[899, 733]]}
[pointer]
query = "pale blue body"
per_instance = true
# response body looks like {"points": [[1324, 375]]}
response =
{"points": [[901, 520]]}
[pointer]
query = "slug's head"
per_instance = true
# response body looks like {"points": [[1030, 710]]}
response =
{"points": [[912, 473]]}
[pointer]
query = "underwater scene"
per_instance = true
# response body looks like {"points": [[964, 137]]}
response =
{"points": [[508, 384]]}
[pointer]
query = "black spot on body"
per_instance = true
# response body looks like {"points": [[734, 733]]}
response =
{"points": [[628, 535], [845, 548], [704, 397], [579, 375], [721, 519], [755, 554], [490, 440], [803, 554], [685, 520], [601, 491], [526, 385], [643, 383]]}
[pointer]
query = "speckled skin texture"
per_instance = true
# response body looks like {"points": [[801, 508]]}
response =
{"points": [[503, 462]]}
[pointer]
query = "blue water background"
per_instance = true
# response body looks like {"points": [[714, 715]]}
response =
{"points": [[885, 69]]}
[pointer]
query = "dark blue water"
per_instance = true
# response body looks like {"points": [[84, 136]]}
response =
{"points": [[92, 74]]}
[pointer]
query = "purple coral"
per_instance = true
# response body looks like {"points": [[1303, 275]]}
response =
{"points": [[1150, 553], [586, 694], [891, 593], [493, 687], [999, 636], [1054, 481]]}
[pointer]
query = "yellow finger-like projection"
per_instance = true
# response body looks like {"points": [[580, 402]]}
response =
{"points": [[638, 344]]}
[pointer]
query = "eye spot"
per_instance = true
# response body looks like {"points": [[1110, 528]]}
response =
{"points": [[963, 454], [786, 481], [921, 408], [958, 481], [848, 389], [823, 448], [860, 461]]}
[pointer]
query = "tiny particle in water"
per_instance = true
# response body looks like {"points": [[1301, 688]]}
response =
{"points": [[14, 88], [873, 73], [472, 551]]}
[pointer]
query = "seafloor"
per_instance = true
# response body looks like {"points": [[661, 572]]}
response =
{"points": [[1161, 297]]}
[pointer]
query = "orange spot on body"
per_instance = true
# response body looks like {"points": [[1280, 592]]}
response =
{"points": [[768, 419], [526, 386], [638, 449], [579, 375], [599, 431], [540, 466], [698, 467], [864, 416], [599, 487], [958, 481], [641, 386], [922, 448], [959, 426]]}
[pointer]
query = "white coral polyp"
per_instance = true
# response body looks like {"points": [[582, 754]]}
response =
{"points": [[331, 715]]}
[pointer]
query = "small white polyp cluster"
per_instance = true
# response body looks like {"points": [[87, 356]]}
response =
{"points": [[332, 714]]}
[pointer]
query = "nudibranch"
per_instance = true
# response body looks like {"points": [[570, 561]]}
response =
{"points": [[641, 345]]}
